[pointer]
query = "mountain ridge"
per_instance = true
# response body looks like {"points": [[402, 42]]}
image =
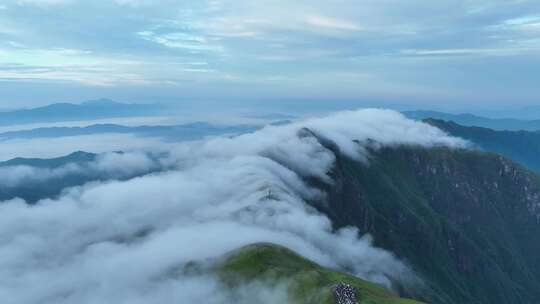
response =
{"points": [[308, 283], [520, 146], [468, 222], [190, 131], [50, 163], [471, 120], [93, 109]]}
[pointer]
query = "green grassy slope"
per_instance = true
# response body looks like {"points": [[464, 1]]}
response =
{"points": [[308, 283]]}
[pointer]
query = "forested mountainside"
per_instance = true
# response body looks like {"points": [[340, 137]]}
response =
{"points": [[467, 222], [521, 146], [479, 121]]}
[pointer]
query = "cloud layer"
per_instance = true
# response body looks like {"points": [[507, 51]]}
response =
{"points": [[110, 165], [56, 147], [119, 242]]}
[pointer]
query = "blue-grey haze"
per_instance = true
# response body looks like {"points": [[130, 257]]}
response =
{"points": [[444, 55]]}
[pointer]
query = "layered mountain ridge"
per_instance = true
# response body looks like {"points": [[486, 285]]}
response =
{"points": [[521, 146], [93, 109], [446, 224], [470, 120], [468, 222]]}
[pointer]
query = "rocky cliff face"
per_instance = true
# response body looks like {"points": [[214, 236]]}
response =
{"points": [[467, 222]]}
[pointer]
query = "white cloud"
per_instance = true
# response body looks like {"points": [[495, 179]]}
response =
{"points": [[128, 121], [107, 165], [449, 52], [68, 65], [332, 23], [527, 23], [522, 20], [236, 38], [263, 25], [33, 148], [134, 3], [126, 242], [180, 40], [510, 51], [43, 3]]}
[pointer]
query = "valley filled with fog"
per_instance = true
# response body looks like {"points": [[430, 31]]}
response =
{"points": [[117, 238], [273, 152]]}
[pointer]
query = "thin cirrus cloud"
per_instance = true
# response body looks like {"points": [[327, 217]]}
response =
{"points": [[524, 23], [115, 46]]}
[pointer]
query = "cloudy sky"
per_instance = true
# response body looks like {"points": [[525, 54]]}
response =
{"points": [[459, 53]]}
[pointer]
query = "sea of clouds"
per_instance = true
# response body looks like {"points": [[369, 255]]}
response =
{"points": [[117, 241], [109, 165], [97, 143]]}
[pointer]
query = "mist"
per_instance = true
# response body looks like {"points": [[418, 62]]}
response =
{"points": [[117, 241], [110, 165], [56, 147]]}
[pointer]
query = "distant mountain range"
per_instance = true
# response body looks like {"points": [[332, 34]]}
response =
{"points": [[33, 190], [50, 163], [93, 109], [274, 116], [521, 146], [46, 178], [527, 113], [191, 131], [478, 121]]}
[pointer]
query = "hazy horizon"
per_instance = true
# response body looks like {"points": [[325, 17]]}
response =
{"points": [[182, 111]]}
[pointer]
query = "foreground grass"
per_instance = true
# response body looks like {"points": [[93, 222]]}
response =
{"points": [[307, 282]]}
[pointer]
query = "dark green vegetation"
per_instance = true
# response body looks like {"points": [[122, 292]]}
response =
{"points": [[467, 222], [306, 282], [521, 146], [479, 121]]}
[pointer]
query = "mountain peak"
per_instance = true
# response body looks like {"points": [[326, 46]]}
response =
{"points": [[100, 102]]}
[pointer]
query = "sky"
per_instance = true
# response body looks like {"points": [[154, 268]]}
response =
{"points": [[445, 54]]}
